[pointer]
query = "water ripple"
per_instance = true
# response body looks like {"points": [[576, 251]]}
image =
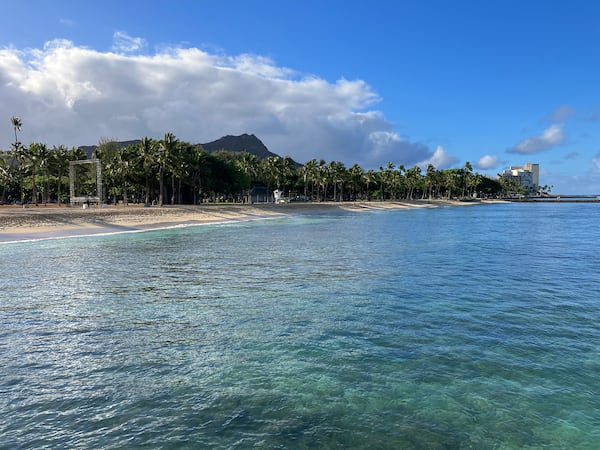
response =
{"points": [[436, 328]]}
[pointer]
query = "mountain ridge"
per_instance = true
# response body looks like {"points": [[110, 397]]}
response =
{"points": [[237, 144]]}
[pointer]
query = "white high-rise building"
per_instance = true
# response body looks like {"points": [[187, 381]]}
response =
{"points": [[527, 175]]}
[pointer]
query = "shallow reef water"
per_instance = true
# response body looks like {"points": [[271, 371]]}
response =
{"points": [[456, 327]]}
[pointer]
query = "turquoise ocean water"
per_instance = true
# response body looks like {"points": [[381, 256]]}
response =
{"points": [[466, 327]]}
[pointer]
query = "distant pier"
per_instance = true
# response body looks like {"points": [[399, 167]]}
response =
{"points": [[559, 199]]}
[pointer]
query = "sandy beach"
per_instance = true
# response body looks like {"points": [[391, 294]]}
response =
{"points": [[43, 222]]}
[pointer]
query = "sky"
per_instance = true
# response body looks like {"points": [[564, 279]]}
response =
{"points": [[494, 83]]}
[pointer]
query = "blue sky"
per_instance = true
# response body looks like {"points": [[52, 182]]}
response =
{"points": [[494, 83]]}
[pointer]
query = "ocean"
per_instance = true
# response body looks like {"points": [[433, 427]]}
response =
{"points": [[430, 328]]}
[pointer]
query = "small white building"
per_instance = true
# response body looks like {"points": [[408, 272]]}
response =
{"points": [[527, 175], [279, 198]]}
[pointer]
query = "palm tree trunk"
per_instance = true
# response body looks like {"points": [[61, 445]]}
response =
{"points": [[34, 187], [305, 187], [172, 189], [125, 201], [58, 187], [147, 202], [161, 186], [46, 187]]}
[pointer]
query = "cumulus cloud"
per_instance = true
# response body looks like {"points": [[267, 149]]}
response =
{"points": [[71, 95], [487, 162], [550, 137], [440, 159], [123, 43]]}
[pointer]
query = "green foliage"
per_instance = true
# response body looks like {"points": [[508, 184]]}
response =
{"points": [[511, 188], [169, 170]]}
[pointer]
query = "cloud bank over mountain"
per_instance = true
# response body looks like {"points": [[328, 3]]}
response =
{"points": [[72, 95]]}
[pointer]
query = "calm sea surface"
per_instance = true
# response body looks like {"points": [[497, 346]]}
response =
{"points": [[466, 327]]}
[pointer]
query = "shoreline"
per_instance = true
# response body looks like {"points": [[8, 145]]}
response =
{"points": [[52, 222]]}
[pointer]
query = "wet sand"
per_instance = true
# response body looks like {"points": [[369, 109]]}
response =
{"points": [[44, 222]]}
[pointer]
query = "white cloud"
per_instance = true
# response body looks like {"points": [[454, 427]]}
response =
{"points": [[551, 137], [561, 114], [66, 22], [440, 159], [388, 146], [65, 94], [255, 65], [596, 163], [487, 162], [123, 43]]}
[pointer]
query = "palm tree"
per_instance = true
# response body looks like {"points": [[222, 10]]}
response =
{"points": [[467, 173], [308, 173], [545, 189], [17, 124], [288, 172], [44, 162], [5, 176], [449, 181], [19, 154], [196, 159], [166, 150], [338, 176], [177, 167], [357, 175], [147, 155], [370, 177], [76, 154], [120, 168], [413, 177], [60, 163], [402, 181], [38, 158], [273, 173], [387, 178], [474, 183], [429, 180], [250, 165], [321, 179]]}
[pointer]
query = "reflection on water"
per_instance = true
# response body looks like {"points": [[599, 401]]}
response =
{"points": [[453, 327]]}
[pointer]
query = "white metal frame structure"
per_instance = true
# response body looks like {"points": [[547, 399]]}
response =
{"points": [[85, 198]]}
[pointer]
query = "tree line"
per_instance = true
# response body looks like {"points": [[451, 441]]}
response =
{"points": [[171, 171]]}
